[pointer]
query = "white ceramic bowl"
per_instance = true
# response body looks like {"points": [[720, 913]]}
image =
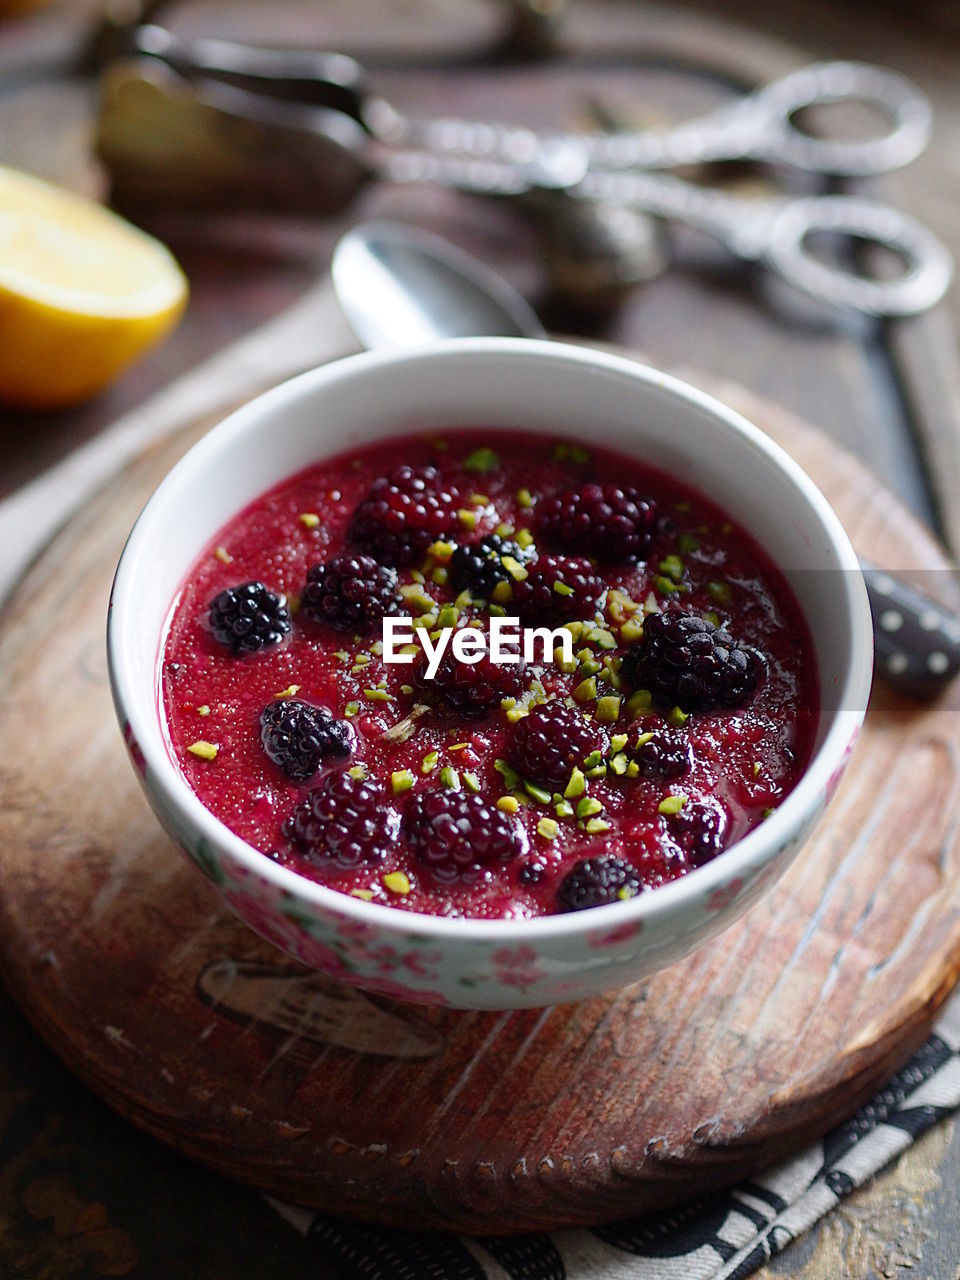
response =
{"points": [[500, 383]]}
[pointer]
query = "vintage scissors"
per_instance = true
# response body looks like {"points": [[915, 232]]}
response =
{"points": [[366, 132]]}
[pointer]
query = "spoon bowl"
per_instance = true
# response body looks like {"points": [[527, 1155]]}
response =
{"points": [[401, 287]]}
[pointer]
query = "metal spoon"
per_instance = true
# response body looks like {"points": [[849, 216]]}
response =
{"points": [[400, 287]]}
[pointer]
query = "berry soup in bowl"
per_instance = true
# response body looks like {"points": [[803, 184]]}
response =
{"points": [[493, 674]]}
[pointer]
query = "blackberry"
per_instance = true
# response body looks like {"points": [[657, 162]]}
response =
{"points": [[600, 520], [479, 568], [344, 822], [351, 593], [457, 834], [470, 689], [298, 736], [558, 589], [661, 753], [594, 882], [698, 830], [547, 743], [248, 618], [686, 661], [403, 513]]}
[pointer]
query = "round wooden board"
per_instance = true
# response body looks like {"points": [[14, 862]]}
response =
{"points": [[205, 1036]]}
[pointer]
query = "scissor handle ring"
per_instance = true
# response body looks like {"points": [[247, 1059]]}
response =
{"points": [[829, 82], [929, 266]]}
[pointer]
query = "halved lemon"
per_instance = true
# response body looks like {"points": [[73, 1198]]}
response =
{"points": [[82, 294]]}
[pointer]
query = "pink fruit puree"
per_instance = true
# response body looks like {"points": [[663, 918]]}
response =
{"points": [[744, 760]]}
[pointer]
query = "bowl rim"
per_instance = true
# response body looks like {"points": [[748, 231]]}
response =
{"points": [[747, 855]]}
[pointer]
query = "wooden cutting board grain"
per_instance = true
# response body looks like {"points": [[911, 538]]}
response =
{"points": [[205, 1036]]}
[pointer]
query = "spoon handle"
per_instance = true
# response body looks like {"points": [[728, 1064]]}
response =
{"points": [[916, 638]]}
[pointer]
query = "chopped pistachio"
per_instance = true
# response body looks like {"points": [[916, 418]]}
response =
{"points": [[722, 592], [683, 505], [590, 667], [598, 771], [205, 750], [595, 826], [401, 780], [510, 776], [516, 569], [467, 518], [537, 793], [502, 593], [291, 691], [351, 709], [632, 630], [639, 703], [678, 716], [439, 576], [549, 828], [593, 759], [450, 778], [671, 804], [666, 585], [406, 690], [524, 498], [482, 459], [470, 780], [756, 767], [508, 804], [378, 695], [359, 771], [396, 882], [414, 594], [619, 764], [625, 892], [644, 737], [576, 786], [567, 667], [686, 543], [341, 655], [223, 555], [602, 638], [633, 769], [417, 576], [561, 588], [203, 711], [310, 519], [524, 539], [566, 452], [586, 690], [618, 741], [517, 713], [496, 611], [441, 550], [430, 762], [588, 806], [364, 894], [672, 566], [767, 813], [608, 709], [448, 616]]}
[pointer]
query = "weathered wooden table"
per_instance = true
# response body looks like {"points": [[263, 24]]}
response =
{"points": [[81, 1194]]}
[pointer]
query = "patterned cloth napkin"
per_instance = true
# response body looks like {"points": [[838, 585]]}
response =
{"points": [[723, 1237]]}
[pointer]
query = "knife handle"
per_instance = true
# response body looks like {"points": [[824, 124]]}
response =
{"points": [[916, 638]]}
